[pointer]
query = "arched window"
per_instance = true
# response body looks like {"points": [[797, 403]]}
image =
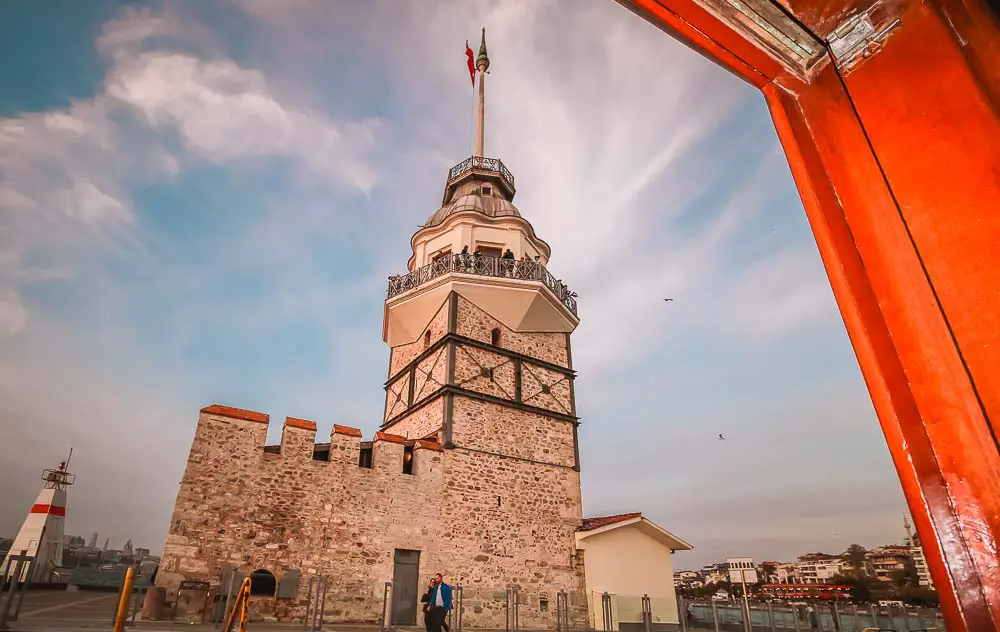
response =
{"points": [[262, 583], [427, 338], [495, 337]]}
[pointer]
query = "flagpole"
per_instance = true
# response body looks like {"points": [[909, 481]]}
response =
{"points": [[472, 121], [482, 64]]}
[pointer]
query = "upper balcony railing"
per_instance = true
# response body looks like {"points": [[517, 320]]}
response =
{"points": [[482, 265], [482, 164]]}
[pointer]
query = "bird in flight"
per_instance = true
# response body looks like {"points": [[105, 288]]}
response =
{"points": [[721, 437], [668, 300]]}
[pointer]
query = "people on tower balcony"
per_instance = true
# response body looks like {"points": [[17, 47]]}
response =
{"points": [[507, 263]]}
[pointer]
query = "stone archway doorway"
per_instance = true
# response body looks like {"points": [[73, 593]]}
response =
{"points": [[889, 115]]}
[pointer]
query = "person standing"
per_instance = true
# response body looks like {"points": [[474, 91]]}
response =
{"points": [[425, 600], [439, 604]]}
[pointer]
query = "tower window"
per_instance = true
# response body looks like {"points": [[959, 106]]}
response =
{"points": [[427, 338], [408, 459], [495, 337], [487, 189], [365, 458]]}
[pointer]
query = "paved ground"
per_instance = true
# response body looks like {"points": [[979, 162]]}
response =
{"points": [[60, 607], [64, 611], [90, 611]]}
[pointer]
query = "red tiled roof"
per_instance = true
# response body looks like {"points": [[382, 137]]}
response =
{"points": [[589, 524]]}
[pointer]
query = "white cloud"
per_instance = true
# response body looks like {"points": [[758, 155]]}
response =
{"points": [[225, 113], [65, 175]]}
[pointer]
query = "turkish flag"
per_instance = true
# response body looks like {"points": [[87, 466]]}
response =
{"points": [[472, 62]]}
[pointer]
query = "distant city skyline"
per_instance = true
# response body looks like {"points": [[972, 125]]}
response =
{"points": [[201, 204]]}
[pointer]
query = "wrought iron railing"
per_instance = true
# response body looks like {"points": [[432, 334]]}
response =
{"points": [[482, 164], [483, 266]]}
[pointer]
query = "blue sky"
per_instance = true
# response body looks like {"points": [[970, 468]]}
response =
{"points": [[201, 203]]}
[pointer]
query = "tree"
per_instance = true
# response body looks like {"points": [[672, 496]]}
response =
{"points": [[861, 587], [768, 572], [855, 556], [905, 577], [920, 596]]}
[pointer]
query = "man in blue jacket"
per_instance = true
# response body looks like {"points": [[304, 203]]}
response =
{"points": [[439, 604]]}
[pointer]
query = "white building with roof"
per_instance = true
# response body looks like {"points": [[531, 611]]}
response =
{"points": [[628, 557]]}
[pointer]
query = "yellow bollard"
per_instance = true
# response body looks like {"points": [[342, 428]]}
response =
{"points": [[123, 600], [239, 605], [245, 610]]}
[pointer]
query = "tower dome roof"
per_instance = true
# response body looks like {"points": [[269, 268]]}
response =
{"points": [[476, 200]]}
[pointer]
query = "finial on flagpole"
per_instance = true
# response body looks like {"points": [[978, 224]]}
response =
{"points": [[482, 64], [483, 60]]}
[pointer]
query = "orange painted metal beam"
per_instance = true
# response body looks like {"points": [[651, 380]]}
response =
{"points": [[709, 36], [898, 165], [872, 292]]}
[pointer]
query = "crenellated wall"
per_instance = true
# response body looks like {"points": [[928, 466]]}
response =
{"points": [[485, 521], [257, 509]]}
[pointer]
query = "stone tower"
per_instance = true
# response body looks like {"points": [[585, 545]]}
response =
{"points": [[474, 473], [481, 363]]}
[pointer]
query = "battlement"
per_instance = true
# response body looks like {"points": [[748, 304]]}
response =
{"points": [[236, 413], [243, 433]]}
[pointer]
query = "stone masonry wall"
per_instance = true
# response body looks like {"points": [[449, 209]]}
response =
{"points": [[421, 423], [484, 372], [474, 323], [253, 510], [403, 354], [430, 374], [526, 435], [509, 483], [513, 522]]}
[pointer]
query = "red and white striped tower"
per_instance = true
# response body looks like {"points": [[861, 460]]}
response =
{"points": [[41, 535]]}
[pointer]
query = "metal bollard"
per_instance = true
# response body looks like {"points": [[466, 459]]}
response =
{"points": [[229, 595], [244, 610], [562, 611], [647, 613], [682, 613], [715, 616], [506, 611], [517, 608], [307, 620], [387, 615], [606, 612], [12, 587], [137, 594], [322, 602], [906, 619], [123, 600], [30, 563], [459, 607]]}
